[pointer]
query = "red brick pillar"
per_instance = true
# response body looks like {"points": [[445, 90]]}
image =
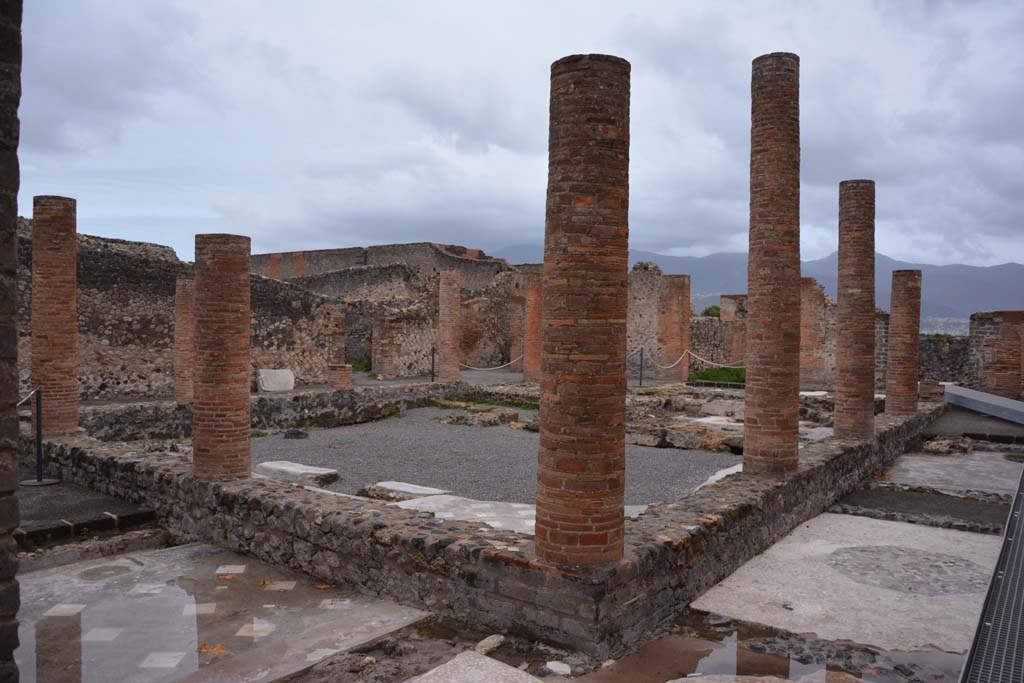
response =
{"points": [[904, 343], [772, 406], [531, 332], [674, 326], [515, 331], [55, 311], [221, 422], [449, 329], [812, 334], [184, 339], [581, 465], [855, 315], [10, 180], [339, 372]]}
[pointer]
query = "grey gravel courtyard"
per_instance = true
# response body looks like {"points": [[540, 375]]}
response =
{"points": [[484, 463]]}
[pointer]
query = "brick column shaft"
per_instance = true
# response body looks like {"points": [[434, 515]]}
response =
{"points": [[221, 415], [531, 332], [10, 180], [904, 343], [772, 405], [55, 311], [581, 465], [855, 312], [449, 327], [184, 339], [339, 372], [812, 334], [674, 326]]}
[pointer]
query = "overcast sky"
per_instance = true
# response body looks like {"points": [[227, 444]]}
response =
{"points": [[313, 124]]}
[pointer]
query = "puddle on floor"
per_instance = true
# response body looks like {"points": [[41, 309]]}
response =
{"points": [[707, 644]]}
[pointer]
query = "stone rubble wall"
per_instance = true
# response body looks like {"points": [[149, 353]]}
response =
{"points": [[674, 551]]}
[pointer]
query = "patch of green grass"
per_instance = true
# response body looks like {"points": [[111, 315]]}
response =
{"points": [[713, 311], [521, 405], [257, 434], [360, 366], [737, 375]]}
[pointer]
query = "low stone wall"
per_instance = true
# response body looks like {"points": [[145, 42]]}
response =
{"points": [[674, 552], [270, 412]]}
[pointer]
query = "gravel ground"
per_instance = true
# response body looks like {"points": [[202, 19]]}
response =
{"points": [[484, 463]]}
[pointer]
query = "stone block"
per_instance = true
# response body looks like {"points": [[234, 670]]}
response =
{"points": [[278, 379], [293, 471]]}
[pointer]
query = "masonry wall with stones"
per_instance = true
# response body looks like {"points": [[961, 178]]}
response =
{"points": [[995, 352], [126, 319]]}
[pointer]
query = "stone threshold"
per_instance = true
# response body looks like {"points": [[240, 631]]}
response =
{"points": [[674, 551]]}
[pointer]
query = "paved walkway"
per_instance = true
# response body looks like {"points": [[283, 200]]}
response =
{"points": [[194, 613]]}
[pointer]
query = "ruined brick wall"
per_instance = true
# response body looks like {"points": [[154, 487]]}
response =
{"points": [[645, 286], [10, 180], [814, 326], [402, 339], [945, 359], [995, 352], [126, 319], [733, 313], [707, 340], [365, 283], [425, 258]]}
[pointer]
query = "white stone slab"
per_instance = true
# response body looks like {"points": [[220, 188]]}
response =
{"points": [[887, 584], [293, 471], [414, 489], [470, 667], [275, 379]]}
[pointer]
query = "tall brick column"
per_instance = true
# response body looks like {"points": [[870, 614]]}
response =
{"points": [[184, 339], [531, 332], [55, 311], [855, 314], [904, 343], [772, 406], [339, 372], [10, 179], [674, 326], [449, 328], [221, 422], [581, 472], [812, 334]]}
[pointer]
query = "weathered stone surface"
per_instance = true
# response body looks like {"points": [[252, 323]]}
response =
{"points": [[293, 471], [449, 329], [275, 379], [473, 667]]}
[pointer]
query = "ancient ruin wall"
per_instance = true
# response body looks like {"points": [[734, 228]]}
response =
{"points": [[995, 352]]}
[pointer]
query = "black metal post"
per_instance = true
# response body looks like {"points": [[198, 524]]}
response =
{"points": [[641, 366], [433, 354], [39, 480]]}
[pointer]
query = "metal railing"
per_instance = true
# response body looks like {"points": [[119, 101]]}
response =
{"points": [[40, 480]]}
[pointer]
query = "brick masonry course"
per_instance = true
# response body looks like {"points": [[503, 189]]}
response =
{"points": [[904, 343]]}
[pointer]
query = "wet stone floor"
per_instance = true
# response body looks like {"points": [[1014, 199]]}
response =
{"points": [[192, 612]]}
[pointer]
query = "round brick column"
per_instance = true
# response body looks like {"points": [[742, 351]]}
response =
{"points": [[449, 327], [772, 405], [531, 332], [184, 339], [904, 343], [221, 422], [674, 327], [581, 465], [855, 312], [55, 311]]}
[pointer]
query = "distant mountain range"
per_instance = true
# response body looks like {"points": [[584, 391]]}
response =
{"points": [[949, 293]]}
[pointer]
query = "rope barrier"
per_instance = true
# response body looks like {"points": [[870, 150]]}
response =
{"points": [[26, 398], [669, 367], [497, 367], [711, 362]]}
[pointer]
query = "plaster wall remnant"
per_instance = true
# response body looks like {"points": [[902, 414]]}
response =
{"points": [[855, 353], [221, 423], [813, 330], [904, 343], [55, 311], [449, 328], [532, 331], [339, 371], [581, 463], [184, 339], [995, 354], [771, 408], [10, 180], [674, 327]]}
